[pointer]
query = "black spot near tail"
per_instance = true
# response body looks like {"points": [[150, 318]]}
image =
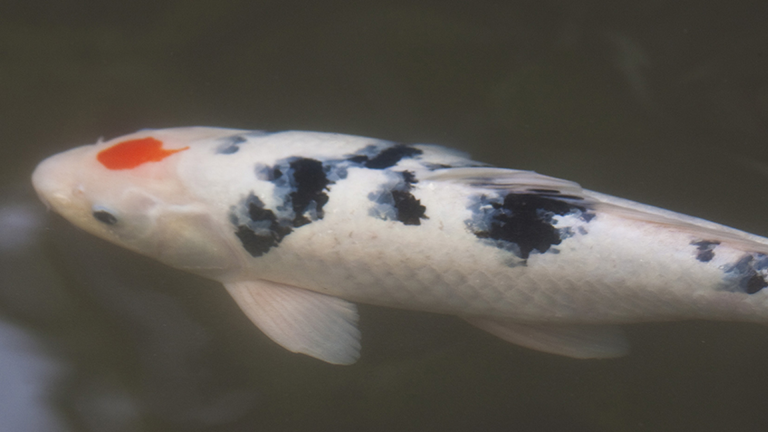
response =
{"points": [[750, 273], [705, 250], [754, 284]]}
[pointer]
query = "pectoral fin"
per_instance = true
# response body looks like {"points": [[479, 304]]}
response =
{"points": [[579, 341], [301, 321]]}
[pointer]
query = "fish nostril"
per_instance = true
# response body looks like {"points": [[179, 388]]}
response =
{"points": [[105, 217]]}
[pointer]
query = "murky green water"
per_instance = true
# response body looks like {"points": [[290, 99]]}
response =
{"points": [[664, 104]]}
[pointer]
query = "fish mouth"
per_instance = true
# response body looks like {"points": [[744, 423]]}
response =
{"points": [[43, 182], [45, 202]]}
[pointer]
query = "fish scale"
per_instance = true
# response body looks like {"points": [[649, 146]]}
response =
{"points": [[298, 225]]}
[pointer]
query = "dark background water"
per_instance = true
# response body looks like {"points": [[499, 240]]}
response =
{"points": [[660, 102]]}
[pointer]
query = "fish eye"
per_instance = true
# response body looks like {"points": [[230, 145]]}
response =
{"points": [[104, 216]]}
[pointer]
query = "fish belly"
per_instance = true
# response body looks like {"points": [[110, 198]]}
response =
{"points": [[620, 270]]}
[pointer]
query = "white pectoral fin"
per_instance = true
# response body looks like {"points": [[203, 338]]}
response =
{"points": [[301, 321], [578, 341]]}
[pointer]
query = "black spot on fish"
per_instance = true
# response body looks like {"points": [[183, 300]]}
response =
{"points": [[409, 177], [705, 255], [705, 250], [409, 209], [311, 184], [258, 213], [301, 186], [396, 202], [268, 173], [254, 244], [750, 272], [743, 265], [387, 158], [259, 229], [358, 159], [232, 145], [754, 284], [524, 222], [391, 156]]}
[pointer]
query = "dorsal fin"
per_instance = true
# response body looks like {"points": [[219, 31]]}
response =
{"points": [[501, 179]]}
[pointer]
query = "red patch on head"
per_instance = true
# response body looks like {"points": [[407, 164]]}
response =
{"points": [[132, 153]]}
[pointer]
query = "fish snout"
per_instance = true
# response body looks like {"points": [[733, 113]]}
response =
{"points": [[53, 185], [55, 179]]}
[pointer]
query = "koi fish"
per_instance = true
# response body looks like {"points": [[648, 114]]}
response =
{"points": [[298, 226]]}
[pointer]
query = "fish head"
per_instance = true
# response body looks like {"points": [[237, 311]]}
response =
{"points": [[127, 191]]}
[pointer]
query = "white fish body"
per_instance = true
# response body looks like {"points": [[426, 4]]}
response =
{"points": [[297, 225]]}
